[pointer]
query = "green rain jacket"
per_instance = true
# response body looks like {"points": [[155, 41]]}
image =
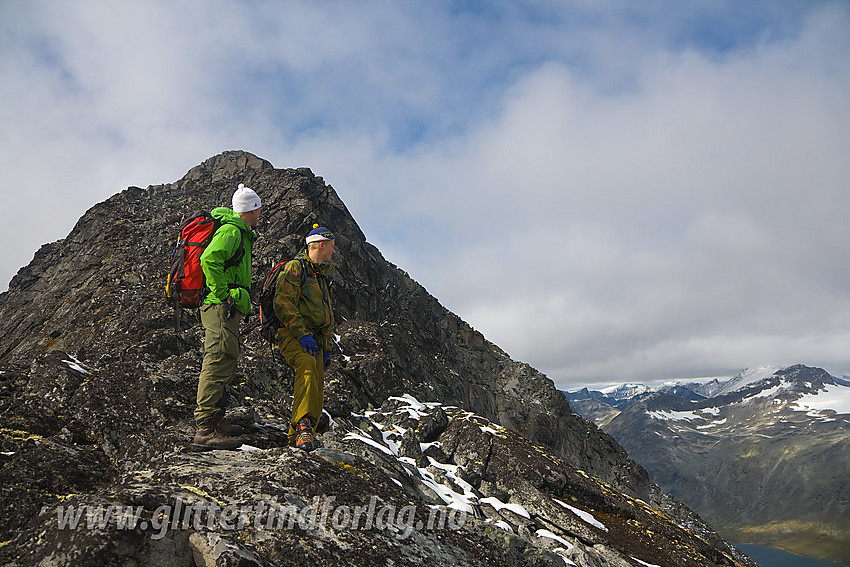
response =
{"points": [[303, 305], [235, 281]]}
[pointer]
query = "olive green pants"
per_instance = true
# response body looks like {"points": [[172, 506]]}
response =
{"points": [[221, 353], [308, 396]]}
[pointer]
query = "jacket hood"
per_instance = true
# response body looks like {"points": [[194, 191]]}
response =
{"points": [[226, 215]]}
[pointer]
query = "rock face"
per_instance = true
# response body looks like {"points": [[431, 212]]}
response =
{"points": [[97, 389]]}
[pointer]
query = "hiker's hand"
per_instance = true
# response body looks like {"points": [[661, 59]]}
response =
{"points": [[327, 359], [229, 306], [309, 345]]}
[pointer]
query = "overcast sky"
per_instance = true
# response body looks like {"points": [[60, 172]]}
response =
{"points": [[608, 190]]}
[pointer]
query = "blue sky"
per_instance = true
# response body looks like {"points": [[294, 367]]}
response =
{"points": [[607, 190]]}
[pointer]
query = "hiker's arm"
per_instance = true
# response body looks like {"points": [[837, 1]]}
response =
{"points": [[223, 246], [286, 300]]}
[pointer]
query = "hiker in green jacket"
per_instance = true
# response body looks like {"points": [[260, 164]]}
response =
{"points": [[302, 303], [227, 301]]}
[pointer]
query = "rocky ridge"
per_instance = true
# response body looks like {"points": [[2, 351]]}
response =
{"points": [[96, 389]]}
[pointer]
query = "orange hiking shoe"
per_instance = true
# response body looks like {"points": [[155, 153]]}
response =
{"points": [[304, 438]]}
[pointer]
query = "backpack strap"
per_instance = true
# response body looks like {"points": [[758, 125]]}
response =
{"points": [[328, 281], [304, 275], [236, 259]]}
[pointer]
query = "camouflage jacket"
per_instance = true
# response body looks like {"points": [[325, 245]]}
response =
{"points": [[302, 302]]}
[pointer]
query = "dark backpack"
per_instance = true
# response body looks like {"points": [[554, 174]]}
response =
{"points": [[269, 323], [186, 285]]}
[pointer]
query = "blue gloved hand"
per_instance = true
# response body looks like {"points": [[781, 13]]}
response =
{"points": [[309, 345], [327, 359]]}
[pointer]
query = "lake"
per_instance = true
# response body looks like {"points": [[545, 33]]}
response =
{"points": [[771, 557]]}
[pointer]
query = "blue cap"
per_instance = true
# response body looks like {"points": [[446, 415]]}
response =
{"points": [[318, 234]]}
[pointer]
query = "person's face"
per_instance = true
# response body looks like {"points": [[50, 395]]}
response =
{"points": [[326, 250], [251, 218]]}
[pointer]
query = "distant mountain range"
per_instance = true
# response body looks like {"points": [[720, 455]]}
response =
{"points": [[763, 456]]}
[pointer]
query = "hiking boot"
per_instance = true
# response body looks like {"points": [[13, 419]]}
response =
{"points": [[208, 438], [225, 428], [304, 439]]}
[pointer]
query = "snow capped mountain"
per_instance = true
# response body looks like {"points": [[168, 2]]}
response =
{"points": [[624, 391], [814, 387], [746, 378], [765, 457]]}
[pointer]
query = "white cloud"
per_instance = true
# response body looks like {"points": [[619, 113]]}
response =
{"points": [[602, 198], [694, 223]]}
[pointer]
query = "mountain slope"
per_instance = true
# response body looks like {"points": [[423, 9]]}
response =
{"points": [[97, 389], [767, 459]]}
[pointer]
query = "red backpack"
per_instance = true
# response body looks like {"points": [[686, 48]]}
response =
{"points": [[186, 285]]}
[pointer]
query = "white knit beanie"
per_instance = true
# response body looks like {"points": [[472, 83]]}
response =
{"points": [[245, 200]]}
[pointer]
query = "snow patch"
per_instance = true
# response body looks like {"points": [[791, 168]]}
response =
{"points": [[563, 552], [769, 393], [585, 516], [833, 397], [76, 365], [368, 441], [550, 535], [712, 424], [414, 408], [499, 506], [500, 524], [453, 499], [674, 415], [331, 421]]}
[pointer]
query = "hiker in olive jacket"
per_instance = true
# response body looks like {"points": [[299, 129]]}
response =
{"points": [[302, 303], [227, 301]]}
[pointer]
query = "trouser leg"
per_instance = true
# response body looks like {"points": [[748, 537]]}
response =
{"points": [[309, 388], [221, 354]]}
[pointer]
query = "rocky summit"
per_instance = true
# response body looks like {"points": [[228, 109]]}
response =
{"points": [[438, 449]]}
